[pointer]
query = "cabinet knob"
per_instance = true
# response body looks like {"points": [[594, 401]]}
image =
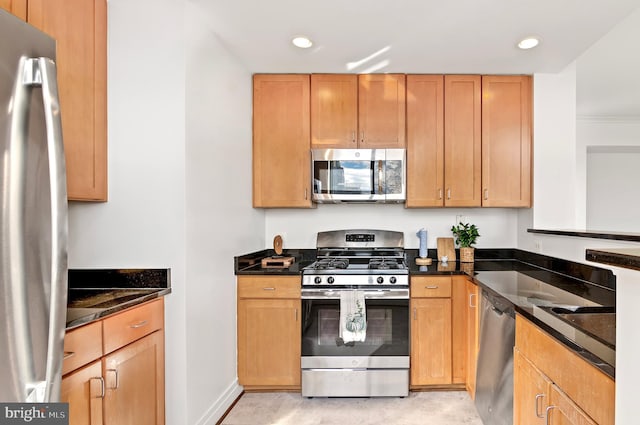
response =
{"points": [[486, 194]]}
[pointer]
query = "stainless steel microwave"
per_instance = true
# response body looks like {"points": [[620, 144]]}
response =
{"points": [[358, 175]]}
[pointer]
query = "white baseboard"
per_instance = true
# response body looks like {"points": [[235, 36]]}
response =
{"points": [[215, 412]]}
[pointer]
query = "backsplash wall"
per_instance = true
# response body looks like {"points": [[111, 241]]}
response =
{"points": [[298, 227]]}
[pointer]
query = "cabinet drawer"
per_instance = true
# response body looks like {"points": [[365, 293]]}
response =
{"points": [[430, 287], [81, 346], [269, 287], [130, 325]]}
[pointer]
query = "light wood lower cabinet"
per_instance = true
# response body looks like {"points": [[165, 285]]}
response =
{"points": [[269, 332], [84, 391], [117, 384], [553, 385], [438, 331], [431, 331], [134, 381], [473, 320]]}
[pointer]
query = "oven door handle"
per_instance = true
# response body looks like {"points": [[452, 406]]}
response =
{"points": [[326, 294]]}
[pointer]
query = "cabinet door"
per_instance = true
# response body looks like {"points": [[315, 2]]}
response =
{"points": [[83, 390], [16, 7], [531, 392], [281, 145], [506, 141], [334, 111], [473, 314], [134, 380], [381, 110], [563, 411], [462, 143], [430, 341], [80, 30], [459, 330], [425, 141], [269, 342]]}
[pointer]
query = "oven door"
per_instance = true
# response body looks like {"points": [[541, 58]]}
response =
{"points": [[387, 334]]}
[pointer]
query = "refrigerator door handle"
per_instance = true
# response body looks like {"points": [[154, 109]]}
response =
{"points": [[42, 72]]}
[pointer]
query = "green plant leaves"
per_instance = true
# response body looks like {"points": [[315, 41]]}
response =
{"points": [[465, 234]]}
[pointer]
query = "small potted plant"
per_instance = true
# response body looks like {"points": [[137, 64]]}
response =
{"points": [[465, 235]]}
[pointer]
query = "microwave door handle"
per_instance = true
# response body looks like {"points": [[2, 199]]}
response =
{"points": [[380, 176]]}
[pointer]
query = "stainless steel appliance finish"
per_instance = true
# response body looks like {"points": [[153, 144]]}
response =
{"points": [[358, 175], [494, 376], [358, 258], [371, 261], [33, 218]]}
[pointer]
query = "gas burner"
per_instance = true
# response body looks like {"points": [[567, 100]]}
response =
{"points": [[331, 264], [384, 264]]}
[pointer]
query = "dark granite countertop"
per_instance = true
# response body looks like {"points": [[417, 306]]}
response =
{"points": [[527, 280], [628, 258], [97, 293]]}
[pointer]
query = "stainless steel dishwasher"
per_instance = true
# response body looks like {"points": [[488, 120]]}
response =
{"points": [[494, 376]]}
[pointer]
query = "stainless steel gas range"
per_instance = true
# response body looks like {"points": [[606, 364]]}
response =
{"points": [[355, 316]]}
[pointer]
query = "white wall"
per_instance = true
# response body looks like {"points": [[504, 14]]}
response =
{"points": [[557, 93], [143, 224], [612, 188], [220, 220], [554, 160], [497, 226], [177, 98]]}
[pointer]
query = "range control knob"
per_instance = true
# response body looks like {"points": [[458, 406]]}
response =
{"points": [[392, 279], [330, 280], [317, 280], [380, 279]]}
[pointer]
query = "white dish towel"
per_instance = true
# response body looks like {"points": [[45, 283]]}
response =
{"points": [[353, 316]]}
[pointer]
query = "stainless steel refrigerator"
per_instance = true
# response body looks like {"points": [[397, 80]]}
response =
{"points": [[33, 217]]}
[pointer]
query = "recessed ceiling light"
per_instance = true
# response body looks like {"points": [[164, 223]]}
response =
{"points": [[302, 42], [529, 43]]}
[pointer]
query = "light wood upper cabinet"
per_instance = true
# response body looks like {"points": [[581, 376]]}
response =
{"points": [[506, 141], [425, 141], [16, 7], [80, 30], [269, 332], [358, 111], [381, 110], [281, 141], [334, 111], [462, 138], [443, 140]]}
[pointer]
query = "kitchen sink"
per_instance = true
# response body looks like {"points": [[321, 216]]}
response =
{"points": [[598, 321]]}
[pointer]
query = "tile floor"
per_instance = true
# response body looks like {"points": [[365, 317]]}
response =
{"points": [[433, 408]]}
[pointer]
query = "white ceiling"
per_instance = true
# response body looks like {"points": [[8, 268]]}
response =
{"points": [[412, 36]]}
